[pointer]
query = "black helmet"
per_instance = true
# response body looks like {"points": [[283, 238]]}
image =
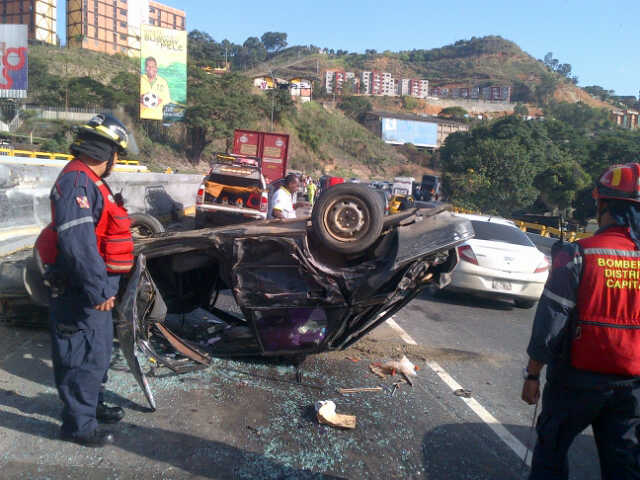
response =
{"points": [[106, 126]]}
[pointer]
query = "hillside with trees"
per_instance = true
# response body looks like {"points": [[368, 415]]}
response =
{"points": [[511, 164]]}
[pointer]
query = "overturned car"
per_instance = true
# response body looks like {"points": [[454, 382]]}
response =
{"points": [[303, 286]]}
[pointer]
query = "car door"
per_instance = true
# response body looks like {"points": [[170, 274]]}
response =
{"points": [[137, 297]]}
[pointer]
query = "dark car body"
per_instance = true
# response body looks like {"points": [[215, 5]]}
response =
{"points": [[430, 188], [296, 297]]}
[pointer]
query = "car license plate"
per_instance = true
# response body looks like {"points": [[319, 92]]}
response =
{"points": [[501, 285]]}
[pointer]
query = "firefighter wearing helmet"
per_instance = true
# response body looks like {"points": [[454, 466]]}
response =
{"points": [[83, 253], [587, 331]]}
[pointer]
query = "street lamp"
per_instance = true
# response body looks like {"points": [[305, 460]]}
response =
{"points": [[273, 97]]}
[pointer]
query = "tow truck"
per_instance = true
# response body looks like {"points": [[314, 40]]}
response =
{"points": [[234, 191], [401, 194]]}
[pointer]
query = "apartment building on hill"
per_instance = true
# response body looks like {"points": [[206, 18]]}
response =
{"points": [[374, 83], [113, 26], [39, 15]]}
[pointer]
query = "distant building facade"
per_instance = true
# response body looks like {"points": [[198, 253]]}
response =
{"points": [[374, 83], [166, 17], [113, 26], [334, 81], [626, 118], [39, 15], [299, 88], [493, 93]]}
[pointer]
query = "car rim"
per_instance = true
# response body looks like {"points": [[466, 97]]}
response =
{"points": [[346, 219], [141, 231]]}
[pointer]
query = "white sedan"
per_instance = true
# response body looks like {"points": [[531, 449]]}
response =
{"points": [[500, 261]]}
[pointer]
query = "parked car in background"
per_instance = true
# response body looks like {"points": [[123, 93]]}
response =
{"points": [[500, 261], [327, 181], [402, 194], [385, 196], [430, 188], [233, 192]]}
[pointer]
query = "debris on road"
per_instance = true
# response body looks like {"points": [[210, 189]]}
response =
{"points": [[404, 366], [377, 370], [353, 359], [462, 392], [326, 411], [360, 389]]}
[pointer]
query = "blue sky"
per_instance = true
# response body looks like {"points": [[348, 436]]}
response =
{"points": [[599, 39]]}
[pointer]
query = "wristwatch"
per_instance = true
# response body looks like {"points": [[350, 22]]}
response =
{"points": [[529, 376]]}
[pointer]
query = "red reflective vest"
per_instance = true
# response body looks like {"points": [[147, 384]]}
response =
{"points": [[607, 338], [113, 233]]}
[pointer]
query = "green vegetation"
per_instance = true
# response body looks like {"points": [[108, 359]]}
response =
{"points": [[334, 137], [456, 113], [218, 105], [410, 103], [355, 107], [205, 51], [563, 69], [512, 164]]}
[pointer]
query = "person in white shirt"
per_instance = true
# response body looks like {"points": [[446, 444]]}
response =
{"points": [[283, 200]]}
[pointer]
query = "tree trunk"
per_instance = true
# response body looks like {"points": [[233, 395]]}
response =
{"points": [[199, 142]]}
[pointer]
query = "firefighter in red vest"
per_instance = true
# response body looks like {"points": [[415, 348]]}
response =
{"points": [[84, 252], [587, 331]]}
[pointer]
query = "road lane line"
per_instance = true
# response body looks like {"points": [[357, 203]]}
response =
{"points": [[505, 435]]}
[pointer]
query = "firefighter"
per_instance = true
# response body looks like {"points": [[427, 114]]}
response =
{"points": [[587, 331], [83, 253]]}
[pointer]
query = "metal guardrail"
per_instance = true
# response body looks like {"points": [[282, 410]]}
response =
{"points": [[542, 230], [51, 156]]}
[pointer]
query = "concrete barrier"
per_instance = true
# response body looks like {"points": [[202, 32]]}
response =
{"points": [[24, 198]]}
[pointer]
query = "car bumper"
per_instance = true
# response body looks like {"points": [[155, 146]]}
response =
{"points": [[522, 287]]}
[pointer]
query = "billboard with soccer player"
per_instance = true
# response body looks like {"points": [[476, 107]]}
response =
{"points": [[163, 74]]}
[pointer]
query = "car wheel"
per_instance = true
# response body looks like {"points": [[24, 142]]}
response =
{"points": [[522, 303], [143, 225], [347, 218]]}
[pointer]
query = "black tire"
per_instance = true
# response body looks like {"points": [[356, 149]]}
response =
{"points": [[144, 225], [522, 303], [200, 220], [335, 211]]}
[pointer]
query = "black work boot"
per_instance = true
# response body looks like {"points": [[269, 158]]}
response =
{"points": [[106, 414], [97, 438]]}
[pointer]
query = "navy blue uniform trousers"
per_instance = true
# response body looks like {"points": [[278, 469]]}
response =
{"points": [[82, 343], [614, 415]]}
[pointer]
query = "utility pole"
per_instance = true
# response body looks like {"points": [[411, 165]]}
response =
{"points": [[273, 97]]}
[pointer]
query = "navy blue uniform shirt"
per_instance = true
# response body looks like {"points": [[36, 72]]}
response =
{"points": [[78, 205]]}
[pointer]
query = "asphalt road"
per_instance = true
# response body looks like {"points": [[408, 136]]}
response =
{"points": [[483, 344], [249, 419]]}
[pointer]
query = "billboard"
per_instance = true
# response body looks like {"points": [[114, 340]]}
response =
{"points": [[399, 132], [163, 74], [15, 65]]}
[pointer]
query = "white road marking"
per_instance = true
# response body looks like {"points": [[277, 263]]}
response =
{"points": [[505, 435]]}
